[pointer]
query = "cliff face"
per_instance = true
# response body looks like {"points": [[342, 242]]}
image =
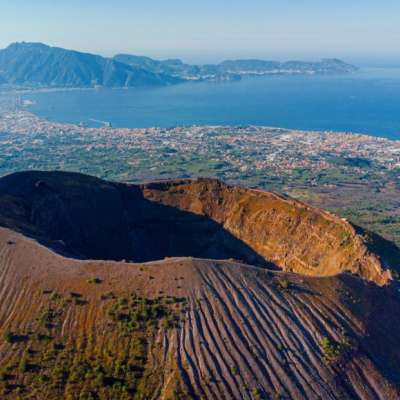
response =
{"points": [[288, 233], [204, 218]]}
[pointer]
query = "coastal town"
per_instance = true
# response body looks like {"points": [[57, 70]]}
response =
{"points": [[228, 152]]}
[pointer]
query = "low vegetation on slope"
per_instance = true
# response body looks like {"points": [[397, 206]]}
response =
{"points": [[48, 363]]}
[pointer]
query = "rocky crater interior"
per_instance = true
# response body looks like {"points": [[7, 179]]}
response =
{"points": [[114, 222], [88, 218]]}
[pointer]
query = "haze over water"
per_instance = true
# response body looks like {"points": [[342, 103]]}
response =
{"points": [[365, 102]]}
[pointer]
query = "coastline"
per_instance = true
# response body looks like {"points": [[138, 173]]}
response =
{"points": [[353, 104], [44, 125]]}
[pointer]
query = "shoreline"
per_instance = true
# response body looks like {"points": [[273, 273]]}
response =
{"points": [[133, 110], [24, 113]]}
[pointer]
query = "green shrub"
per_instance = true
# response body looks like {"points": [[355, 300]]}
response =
{"points": [[256, 393], [94, 280], [8, 336], [335, 351], [330, 350], [284, 284], [23, 364]]}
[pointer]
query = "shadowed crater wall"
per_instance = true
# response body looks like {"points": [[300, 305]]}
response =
{"points": [[86, 217]]}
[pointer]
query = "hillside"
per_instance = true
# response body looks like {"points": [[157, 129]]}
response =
{"points": [[185, 314], [234, 69], [262, 67], [36, 64]]}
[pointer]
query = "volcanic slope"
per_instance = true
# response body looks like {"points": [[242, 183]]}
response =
{"points": [[184, 327]]}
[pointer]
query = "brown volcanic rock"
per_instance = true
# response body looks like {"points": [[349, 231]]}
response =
{"points": [[204, 218], [246, 332], [286, 232]]}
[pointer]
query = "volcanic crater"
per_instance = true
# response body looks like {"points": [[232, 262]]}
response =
{"points": [[189, 289], [85, 217]]}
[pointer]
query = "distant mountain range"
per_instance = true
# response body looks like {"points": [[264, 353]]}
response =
{"points": [[39, 65], [235, 69]]}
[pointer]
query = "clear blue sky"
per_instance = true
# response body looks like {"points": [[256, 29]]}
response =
{"points": [[209, 29]]}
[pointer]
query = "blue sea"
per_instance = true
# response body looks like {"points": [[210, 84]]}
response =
{"points": [[365, 102]]}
